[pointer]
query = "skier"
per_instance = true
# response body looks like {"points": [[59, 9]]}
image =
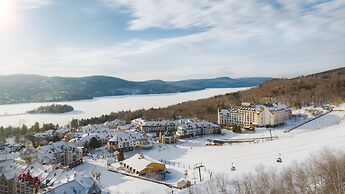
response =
{"points": [[233, 168]]}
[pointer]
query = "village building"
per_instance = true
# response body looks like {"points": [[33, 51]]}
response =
{"points": [[29, 154], [114, 124], [31, 179], [65, 154], [183, 183], [10, 148], [45, 134], [142, 165], [84, 185], [167, 137], [191, 128], [50, 179], [249, 116], [154, 127], [61, 132], [125, 141], [92, 128], [128, 127], [93, 131], [9, 170]]}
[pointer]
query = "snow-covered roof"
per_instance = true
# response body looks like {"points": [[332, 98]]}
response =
{"points": [[62, 130], [11, 168], [115, 123], [53, 176], [48, 133], [71, 187], [38, 170], [195, 124], [7, 156], [126, 136], [78, 184], [141, 122], [127, 127], [139, 162], [257, 108], [182, 181], [51, 151]]}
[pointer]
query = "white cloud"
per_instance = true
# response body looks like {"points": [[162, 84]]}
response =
{"points": [[239, 38], [32, 4]]}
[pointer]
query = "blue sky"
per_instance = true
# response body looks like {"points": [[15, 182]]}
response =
{"points": [[171, 39]]}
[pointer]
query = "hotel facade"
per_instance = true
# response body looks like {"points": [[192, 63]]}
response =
{"points": [[250, 116]]}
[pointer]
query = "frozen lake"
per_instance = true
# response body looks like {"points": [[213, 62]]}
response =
{"points": [[14, 114]]}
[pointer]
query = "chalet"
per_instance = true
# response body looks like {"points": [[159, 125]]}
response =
{"points": [[82, 185], [168, 137], [154, 126], [99, 132], [192, 128], [9, 170], [61, 132], [50, 179], [65, 154], [31, 179], [45, 134], [126, 141], [142, 165], [183, 183], [29, 154], [128, 127], [114, 124]]}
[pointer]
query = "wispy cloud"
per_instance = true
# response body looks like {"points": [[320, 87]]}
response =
{"points": [[237, 15], [238, 38], [206, 54], [32, 4]]}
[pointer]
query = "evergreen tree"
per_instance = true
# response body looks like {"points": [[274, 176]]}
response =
{"points": [[24, 129], [95, 143], [36, 127], [74, 124]]}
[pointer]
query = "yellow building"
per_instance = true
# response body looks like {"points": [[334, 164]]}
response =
{"points": [[143, 166]]}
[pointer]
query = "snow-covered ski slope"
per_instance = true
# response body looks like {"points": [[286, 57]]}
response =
{"points": [[325, 132]]}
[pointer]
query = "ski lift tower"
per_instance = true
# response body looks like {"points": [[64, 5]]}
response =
{"points": [[199, 166]]}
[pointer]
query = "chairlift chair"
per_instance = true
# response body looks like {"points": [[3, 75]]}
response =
{"points": [[279, 159]]}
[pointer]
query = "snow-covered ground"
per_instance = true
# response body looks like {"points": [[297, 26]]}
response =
{"points": [[115, 183], [327, 131]]}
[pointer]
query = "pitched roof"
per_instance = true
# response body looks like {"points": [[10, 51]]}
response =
{"points": [[11, 168], [139, 162], [78, 185]]}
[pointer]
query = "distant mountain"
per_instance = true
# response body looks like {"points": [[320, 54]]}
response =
{"points": [[35, 88]]}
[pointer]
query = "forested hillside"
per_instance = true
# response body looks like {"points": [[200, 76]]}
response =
{"points": [[315, 89]]}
